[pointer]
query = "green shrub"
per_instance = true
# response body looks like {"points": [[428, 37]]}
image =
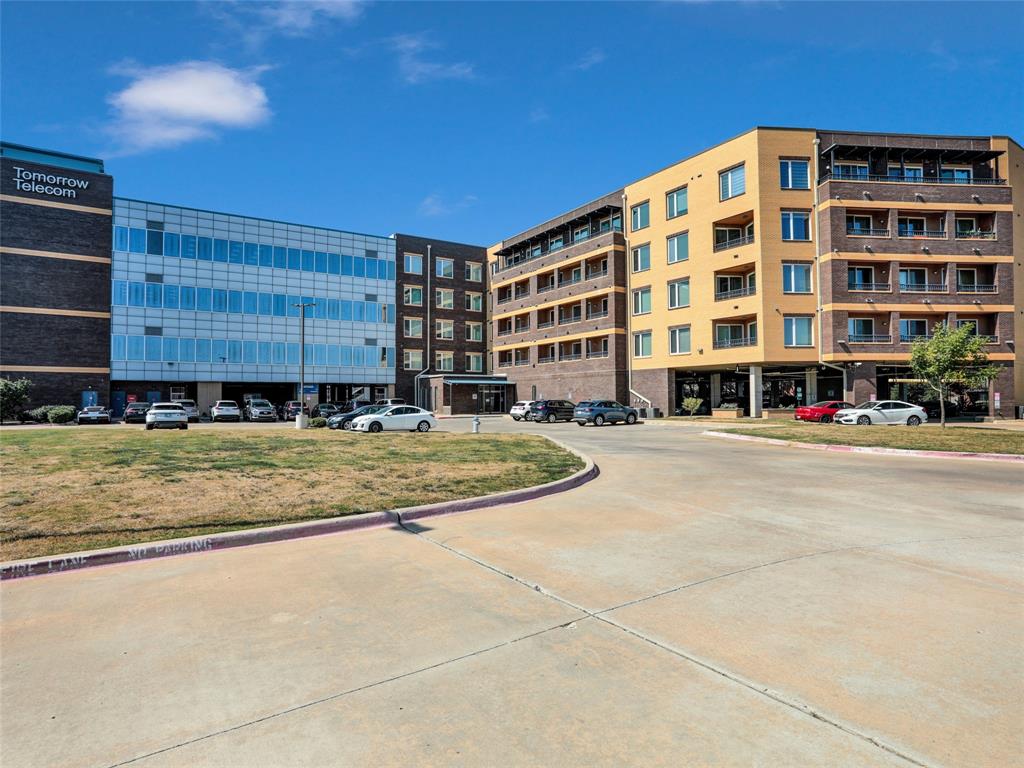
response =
{"points": [[317, 423], [13, 396], [41, 413], [61, 414], [692, 404]]}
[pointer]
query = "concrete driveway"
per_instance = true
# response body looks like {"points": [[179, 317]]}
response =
{"points": [[702, 603]]}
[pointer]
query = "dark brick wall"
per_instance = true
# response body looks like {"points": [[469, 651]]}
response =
{"points": [[460, 253], [33, 281], [659, 386], [62, 388], [72, 342], [883, 191], [577, 380]]}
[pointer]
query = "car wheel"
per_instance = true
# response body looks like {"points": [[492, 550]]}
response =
{"points": [[423, 426], [825, 419], [184, 426], [631, 418], [376, 427], [552, 418], [599, 420], [149, 426], [516, 418], [864, 420], [582, 423], [914, 421]]}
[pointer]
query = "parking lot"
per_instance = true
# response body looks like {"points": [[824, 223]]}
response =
{"points": [[702, 602]]}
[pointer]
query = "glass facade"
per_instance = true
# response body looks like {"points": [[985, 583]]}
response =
{"points": [[203, 296]]}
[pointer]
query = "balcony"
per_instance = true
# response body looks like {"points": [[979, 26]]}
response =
{"points": [[545, 288], [977, 288], [923, 288], [523, 361], [505, 299], [922, 234], [545, 359], [869, 338], [977, 234], [570, 281], [546, 324], [749, 290], [745, 341], [855, 286], [504, 363], [505, 332], [523, 293], [909, 179], [596, 273], [570, 319], [733, 243], [571, 356], [865, 232], [523, 328], [597, 314]]}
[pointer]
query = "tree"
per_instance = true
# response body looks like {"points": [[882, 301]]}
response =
{"points": [[692, 404], [13, 396], [951, 356]]}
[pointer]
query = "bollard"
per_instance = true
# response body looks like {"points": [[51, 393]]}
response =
{"points": [[476, 425]]}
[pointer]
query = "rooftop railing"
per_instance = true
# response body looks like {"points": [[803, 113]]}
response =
{"points": [[906, 179]]}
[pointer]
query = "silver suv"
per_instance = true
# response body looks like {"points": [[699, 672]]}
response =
{"points": [[166, 416], [190, 410], [260, 410]]}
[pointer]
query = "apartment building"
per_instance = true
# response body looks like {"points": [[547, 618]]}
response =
{"points": [[557, 302]]}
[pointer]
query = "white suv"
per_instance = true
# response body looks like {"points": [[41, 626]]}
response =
{"points": [[521, 410], [225, 410], [166, 416]]}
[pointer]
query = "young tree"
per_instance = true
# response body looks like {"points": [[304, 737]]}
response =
{"points": [[951, 356], [13, 396], [692, 404]]}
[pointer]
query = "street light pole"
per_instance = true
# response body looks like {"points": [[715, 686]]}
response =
{"points": [[300, 418]]}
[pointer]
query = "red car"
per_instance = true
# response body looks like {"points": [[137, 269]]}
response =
{"points": [[820, 412]]}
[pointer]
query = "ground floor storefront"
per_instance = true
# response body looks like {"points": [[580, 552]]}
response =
{"points": [[459, 395]]}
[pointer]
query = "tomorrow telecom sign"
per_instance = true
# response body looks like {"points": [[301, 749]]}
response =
{"points": [[47, 183]]}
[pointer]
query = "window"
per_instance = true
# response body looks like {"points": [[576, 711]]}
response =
{"points": [[956, 175], [675, 203], [679, 293], [679, 340], [642, 344], [171, 294], [913, 329], [474, 302], [444, 298], [444, 329], [235, 302], [732, 183], [796, 278], [793, 174], [474, 331], [475, 362], [581, 233], [851, 170], [555, 243], [860, 328], [678, 248], [642, 258], [972, 324], [641, 216], [796, 225], [860, 278], [858, 225], [913, 279], [251, 304], [797, 331], [642, 301], [412, 295], [906, 172], [908, 226], [445, 361], [412, 359], [413, 327], [154, 294], [444, 267], [474, 272]]}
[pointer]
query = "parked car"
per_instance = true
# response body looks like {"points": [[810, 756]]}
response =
{"points": [[822, 412], [344, 420], [326, 410], [390, 401], [931, 407], [351, 405], [191, 410], [93, 414], [135, 413], [225, 410], [551, 410], [883, 412], [521, 410], [601, 412], [291, 410], [396, 418], [166, 416], [260, 410]]}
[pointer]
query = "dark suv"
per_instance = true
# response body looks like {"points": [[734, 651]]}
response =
{"points": [[292, 408], [135, 413], [551, 410]]}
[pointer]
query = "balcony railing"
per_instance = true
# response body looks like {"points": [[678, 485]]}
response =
{"points": [[505, 299], [862, 232], [597, 353], [735, 294], [976, 234], [505, 332], [734, 243], [592, 274], [855, 286], [522, 294], [570, 281], [523, 361], [504, 363], [931, 234], [577, 241], [546, 288], [569, 320], [909, 338], [924, 288], [905, 179], [978, 288], [746, 341], [597, 314], [546, 324], [545, 359], [522, 328], [869, 338], [571, 356]]}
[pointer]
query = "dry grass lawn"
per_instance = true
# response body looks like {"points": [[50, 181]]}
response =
{"points": [[926, 438], [70, 489]]}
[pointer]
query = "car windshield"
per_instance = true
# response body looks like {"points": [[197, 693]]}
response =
{"points": [[94, 408], [260, 403], [868, 405], [372, 409], [823, 404], [226, 404], [584, 404]]}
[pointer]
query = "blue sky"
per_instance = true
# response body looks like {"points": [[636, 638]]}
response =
{"points": [[473, 121]]}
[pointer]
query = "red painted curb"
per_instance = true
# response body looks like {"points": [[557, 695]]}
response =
{"points": [[42, 566], [1004, 457]]}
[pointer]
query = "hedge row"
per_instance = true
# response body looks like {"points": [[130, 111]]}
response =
{"points": [[55, 414]]}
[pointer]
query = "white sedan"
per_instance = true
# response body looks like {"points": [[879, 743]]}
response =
{"points": [[396, 418], [883, 412]]}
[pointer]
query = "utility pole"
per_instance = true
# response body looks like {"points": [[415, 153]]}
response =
{"points": [[300, 419]]}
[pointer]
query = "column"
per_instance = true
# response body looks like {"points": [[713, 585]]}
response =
{"points": [[756, 392], [716, 390], [811, 386]]}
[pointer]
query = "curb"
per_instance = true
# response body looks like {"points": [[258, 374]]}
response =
{"points": [[1004, 457], [40, 566]]}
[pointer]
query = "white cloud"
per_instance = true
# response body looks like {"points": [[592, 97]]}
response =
{"points": [[415, 69], [297, 17], [538, 115], [170, 105], [434, 205], [591, 58]]}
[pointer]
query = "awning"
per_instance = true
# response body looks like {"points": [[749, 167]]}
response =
{"points": [[497, 382]]}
